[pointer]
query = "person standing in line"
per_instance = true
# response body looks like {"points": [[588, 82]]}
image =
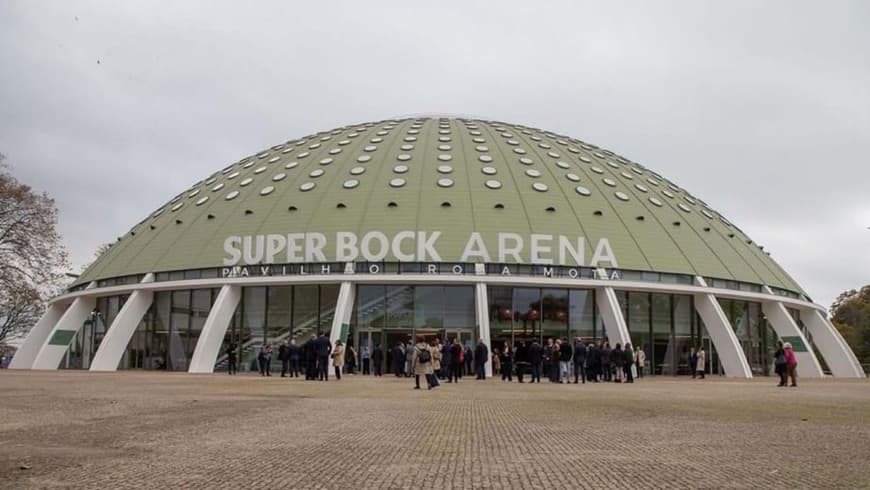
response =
{"points": [[779, 363], [593, 361], [421, 360], [521, 359], [350, 356], [536, 358], [409, 358], [399, 360], [628, 364], [640, 359], [566, 361], [311, 358], [455, 361], [282, 356], [338, 359], [617, 359], [231, 359], [435, 346], [446, 363], [366, 357], [701, 365], [507, 362], [265, 359], [693, 362], [468, 355], [790, 364], [579, 361], [293, 358], [481, 355], [606, 374], [378, 360], [324, 349], [547, 359], [496, 362]]}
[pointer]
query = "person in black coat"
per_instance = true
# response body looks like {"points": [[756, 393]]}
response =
{"points": [[469, 355], [378, 360], [606, 375], [593, 361], [323, 348], [282, 356], [536, 357], [521, 360], [455, 363], [293, 358], [399, 360], [566, 354], [579, 361], [481, 355], [310, 352]]}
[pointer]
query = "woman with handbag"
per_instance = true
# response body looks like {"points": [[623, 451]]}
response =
{"points": [[338, 359], [779, 363]]}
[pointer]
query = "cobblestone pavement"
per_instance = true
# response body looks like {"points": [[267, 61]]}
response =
{"points": [[155, 430]]}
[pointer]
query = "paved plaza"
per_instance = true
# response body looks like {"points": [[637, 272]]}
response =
{"points": [[166, 430]]}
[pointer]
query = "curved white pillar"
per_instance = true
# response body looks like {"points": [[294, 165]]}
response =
{"points": [[38, 335], [722, 334], [611, 315], [481, 308], [840, 358], [343, 312], [64, 330], [212, 335], [788, 331], [118, 335]]}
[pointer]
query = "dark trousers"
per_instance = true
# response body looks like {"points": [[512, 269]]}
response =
{"points": [[455, 368], [580, 372], [265, 366], [378, 369], [285, 366], [627, 370], [231, 366], [536, 372], [606, 373], [338, 372], [507, 371], [479, 368], [367, 366], [399, 369], [294, 367], [468, 362], [311, 369], [323, 368], [554, 372], [521, 368]]}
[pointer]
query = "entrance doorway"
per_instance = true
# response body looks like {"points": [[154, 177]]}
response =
{"points": [[389, 339]]}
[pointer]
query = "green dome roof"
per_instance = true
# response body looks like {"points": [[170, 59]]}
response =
{"points": [[448, 176]]}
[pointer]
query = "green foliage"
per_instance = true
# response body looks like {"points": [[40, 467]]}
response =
{"points": [[850, 313]]}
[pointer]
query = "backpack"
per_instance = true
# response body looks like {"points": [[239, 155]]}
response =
{"points": [[424, 356]]}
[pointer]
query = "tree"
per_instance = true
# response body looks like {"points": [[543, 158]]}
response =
{"points": [[850, 314], [32, 258]]}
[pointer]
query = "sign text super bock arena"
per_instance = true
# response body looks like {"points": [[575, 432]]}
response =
{"points": [[413, 246]]}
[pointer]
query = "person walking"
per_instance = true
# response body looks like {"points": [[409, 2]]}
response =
{"points": [[628, 364], [366, 357], [293, 358], [481, 355], [421, 360], [566, 357], [579, 361], [323, 350], [232, 367], [617, 358], [536, 358], [507, 362], [265, 359], [350, 355], [701, 366], [435, 346], [409, 358], [640, 360], [338, 359], [693, 362], [455, 361], [378, 360], [779, 363], [790, 364], [282, 356]]}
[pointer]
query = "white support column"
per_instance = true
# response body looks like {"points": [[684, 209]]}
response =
{"points": [[722, 334], [26, 354], [212, 335], [840, 358], [611, 315], [343, 312], [788, 330], [118, 335], [64, 330], [481, 308]]}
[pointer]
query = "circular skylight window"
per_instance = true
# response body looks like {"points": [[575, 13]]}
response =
{"points": [[274, 159], [201, 200], [232, 176], [260, 170], [684, 207], [317, 172], [404, 157], [303, 154], [627, 175], [265, 191], [279, 177], [707, 213], [478, 140], [177, 207], [210, 181], [513, 142], [562, 164], [444, 139], [344, 142], [445, 157], [307, 186], [444, 147], [655, 201], [485, 158], [370, 148], [445, 169], [573, 177], [609, 182], [363, 158], [621, 195], [326, 161], [194, 193], [533, 173], [668, 193], [582, 191], [287, 150], [481, 148], [400, 169], [217, 187], [489, 170], [263, 155], [413, 131], [376, 140], [526, 161], [586, 159], [597, 170], [291, 165], [445, 182], [493, 184], [612, 164], [350, 184], [397, 182], [410, 138], [357, 170], [246, 181], [543, 145], [653, 181], [553, 154], [641, 187], [335, 151], [232, 195], [540, 187], [407, 147]]}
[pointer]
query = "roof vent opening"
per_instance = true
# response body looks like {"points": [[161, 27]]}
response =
{"points": [[446, 204], [392, 204], [248, 211], [499, 206], [640, 218], [341, 205], [177, 222], [551, 209], [153, 227], [676, 223], [706, 228], [211, 216], [598, 213], [292, 209], [133, 233], [749, 242], [731, 235]]}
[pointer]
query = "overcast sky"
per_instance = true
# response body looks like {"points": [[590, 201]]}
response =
{"points": [[762, 109]]}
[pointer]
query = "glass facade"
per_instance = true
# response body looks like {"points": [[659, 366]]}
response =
{"points": [[755, 335], [527, 314]]}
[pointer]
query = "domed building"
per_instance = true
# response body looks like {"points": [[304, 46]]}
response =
{"points": [[447, 227]]}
